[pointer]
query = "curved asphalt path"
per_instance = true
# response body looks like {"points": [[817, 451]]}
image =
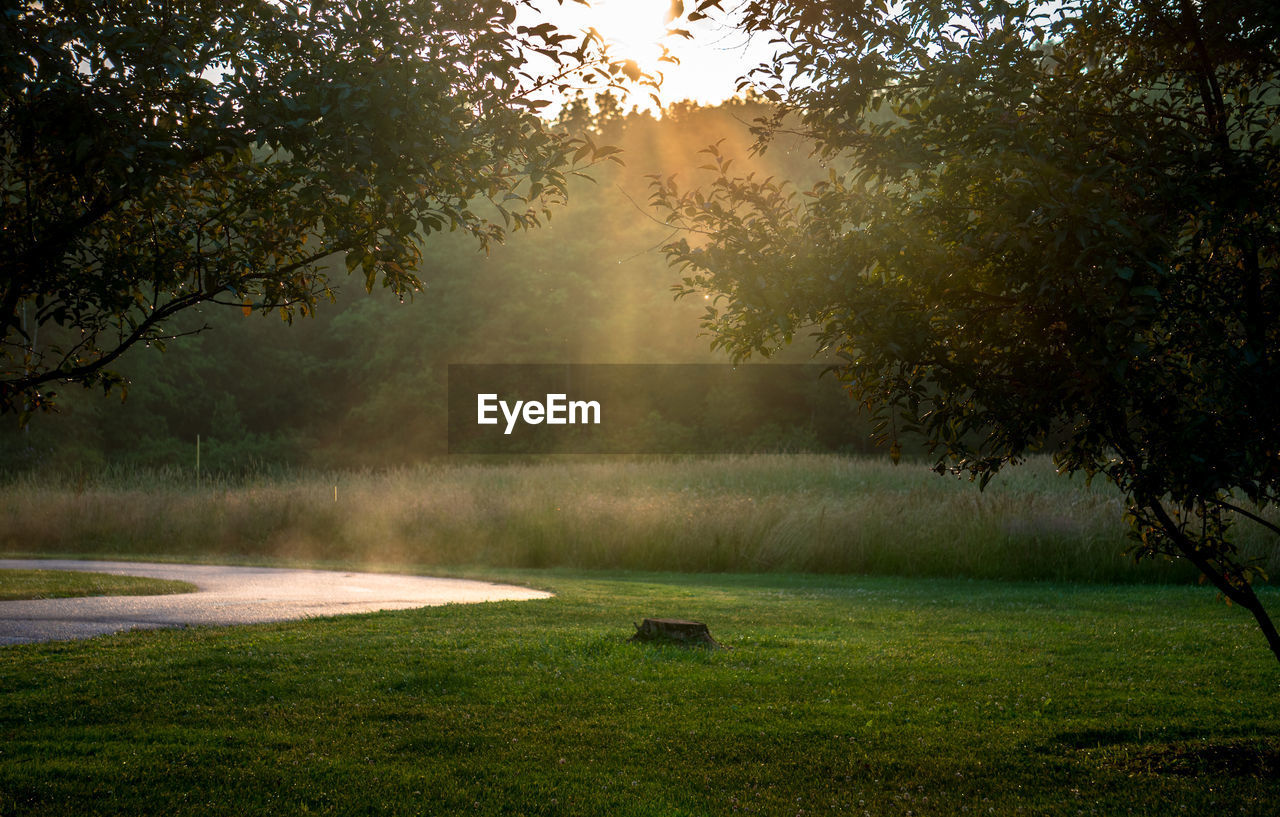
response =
{"points": [[228, 595]]}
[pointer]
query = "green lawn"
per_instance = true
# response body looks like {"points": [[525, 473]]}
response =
{"points": [[840, 695], [61, 584]]}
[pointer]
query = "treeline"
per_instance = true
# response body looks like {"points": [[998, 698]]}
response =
{"points": [[362, 382]]}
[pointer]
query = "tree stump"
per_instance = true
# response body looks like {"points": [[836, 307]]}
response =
{"points": [[675, 631]]}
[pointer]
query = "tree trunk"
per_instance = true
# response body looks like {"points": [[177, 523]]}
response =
{"points": [[675, 631], [1241, 594]]}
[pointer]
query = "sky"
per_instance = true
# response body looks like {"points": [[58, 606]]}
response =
{"points": [[709, 64]]}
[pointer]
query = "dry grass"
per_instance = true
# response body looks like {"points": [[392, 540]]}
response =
{"points": [[754, 513]]}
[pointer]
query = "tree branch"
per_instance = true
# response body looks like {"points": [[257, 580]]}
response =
{"points": [[1248, 515], [1241, 593], [1210, 92]]}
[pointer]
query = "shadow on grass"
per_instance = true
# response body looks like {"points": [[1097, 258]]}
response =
{"points": [[1130, 752]]}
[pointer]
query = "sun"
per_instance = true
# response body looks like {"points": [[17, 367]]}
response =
{"points": [[633, 29], [699, 59]]}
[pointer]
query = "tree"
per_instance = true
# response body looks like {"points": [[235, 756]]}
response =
{"points": [[1046, 226], [159, 155]]}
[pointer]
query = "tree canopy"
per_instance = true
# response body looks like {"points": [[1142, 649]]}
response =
{"points": [[155, 156], [1046, 226], [361, 382]]}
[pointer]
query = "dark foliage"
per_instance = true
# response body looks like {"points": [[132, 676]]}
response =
{"points": [[1047, 226]]}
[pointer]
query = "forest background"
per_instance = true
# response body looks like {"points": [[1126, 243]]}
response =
{"points": [[363, 382]]}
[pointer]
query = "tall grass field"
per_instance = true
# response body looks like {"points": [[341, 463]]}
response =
{"points": [[764, 513]]}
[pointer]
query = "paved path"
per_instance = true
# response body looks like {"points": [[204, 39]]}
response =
{"points": [[228, 595]]}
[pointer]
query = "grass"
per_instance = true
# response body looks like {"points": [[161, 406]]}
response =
{"points": [[783, 513], [61, 584], [894, 693], [840, 695]]}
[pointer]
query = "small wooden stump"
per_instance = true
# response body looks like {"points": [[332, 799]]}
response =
{"points": [[675, 631]]}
